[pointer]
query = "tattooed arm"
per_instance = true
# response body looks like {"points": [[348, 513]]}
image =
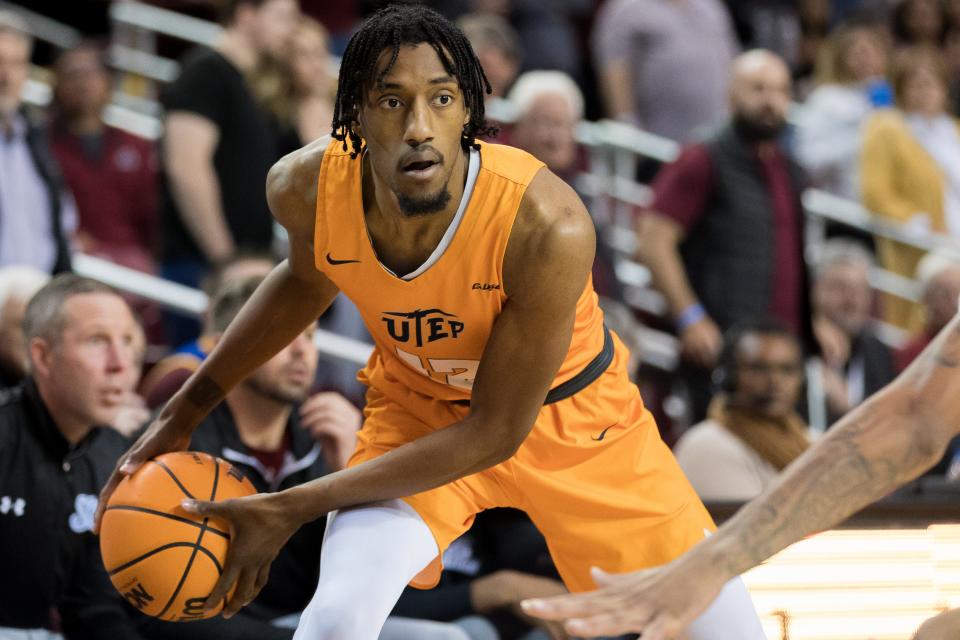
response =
{"points": [[890, 439]]}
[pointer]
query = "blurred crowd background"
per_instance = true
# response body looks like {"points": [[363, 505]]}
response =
{"points": [[775, 185]]}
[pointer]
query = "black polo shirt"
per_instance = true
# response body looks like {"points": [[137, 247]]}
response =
{"points": [[48, 495], [296, 570]]}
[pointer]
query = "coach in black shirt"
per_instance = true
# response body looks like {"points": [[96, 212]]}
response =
{"points": [[83, 346]]}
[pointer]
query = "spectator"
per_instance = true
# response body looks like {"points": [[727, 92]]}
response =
{"points": [[723, 237], [17, 286], [853, 364], [664, 65], [910, 167], [168, 375], [279, 436], [851, 83], [315, 81], [35, 216], [918, 22], [752, 431], [218, 146], [497, 46], [55, 457], [549, 34], [548, 106], [111, 173], [815, 18], [300, 88], [939, 276]]}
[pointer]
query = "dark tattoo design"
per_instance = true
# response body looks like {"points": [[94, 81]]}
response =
{"points": [[843, 473], [204, 393]]}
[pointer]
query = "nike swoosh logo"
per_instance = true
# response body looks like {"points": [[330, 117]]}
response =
{"points": [[603, 433], [333, 261]]}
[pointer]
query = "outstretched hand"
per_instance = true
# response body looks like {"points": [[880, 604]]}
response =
{"points": [[259, 527], [659, 603]]}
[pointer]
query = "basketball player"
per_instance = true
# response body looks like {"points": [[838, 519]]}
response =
{"points": [[494, 381], [888, 440]]}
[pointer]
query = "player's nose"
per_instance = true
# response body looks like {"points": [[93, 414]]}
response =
{"points": [[419, 124]]}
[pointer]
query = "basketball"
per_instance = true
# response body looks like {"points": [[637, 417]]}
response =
{"points": [[162, 559]]}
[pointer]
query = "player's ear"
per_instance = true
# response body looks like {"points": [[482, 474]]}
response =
{"points": [[356, 126]]}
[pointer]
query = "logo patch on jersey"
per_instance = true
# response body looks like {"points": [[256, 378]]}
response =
{"points": [[14, 506], [422, 326], [85, 505], [489, 286]]}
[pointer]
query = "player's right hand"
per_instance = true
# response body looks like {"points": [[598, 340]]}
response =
{"points": [[701, 342], [658, 603], [162, 436]]}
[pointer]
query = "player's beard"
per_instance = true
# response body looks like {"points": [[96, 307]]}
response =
{"points": [[422, 205]]}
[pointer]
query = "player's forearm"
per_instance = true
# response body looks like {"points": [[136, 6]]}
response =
{"points": [[196, 191], [436, 459], [872, 451], [280, 309]]}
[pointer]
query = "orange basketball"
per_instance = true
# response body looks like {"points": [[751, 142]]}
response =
{"points": [[164, 560]]}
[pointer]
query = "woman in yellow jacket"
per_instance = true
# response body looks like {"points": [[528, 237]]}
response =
{"points": [[910, 167]]}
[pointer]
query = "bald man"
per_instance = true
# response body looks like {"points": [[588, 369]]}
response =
{"points": [[723, 236]]}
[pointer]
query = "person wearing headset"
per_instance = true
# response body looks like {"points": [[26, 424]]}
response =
{"points": [[752, 430]]}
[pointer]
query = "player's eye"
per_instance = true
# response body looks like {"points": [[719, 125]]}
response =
{"points": [[444, 100], [390, 103]]}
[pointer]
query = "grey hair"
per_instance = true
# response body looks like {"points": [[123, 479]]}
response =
{"points": [[935, 263], [12, 22], [843, 251], [533, 84], [44, 315]]}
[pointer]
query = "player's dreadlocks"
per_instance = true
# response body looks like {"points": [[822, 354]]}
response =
{"points": [[392, 27]]}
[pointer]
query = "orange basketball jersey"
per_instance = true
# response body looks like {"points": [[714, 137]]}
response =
{"points": [[430, 330]]}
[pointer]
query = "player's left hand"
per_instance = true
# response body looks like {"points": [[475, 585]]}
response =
{"points": [[259, 527], [659, 603]]}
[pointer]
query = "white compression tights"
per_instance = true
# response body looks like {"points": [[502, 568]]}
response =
{"points": [[370, 553]]}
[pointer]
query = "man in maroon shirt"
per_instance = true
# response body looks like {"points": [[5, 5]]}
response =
{"points": [[111, 173], [723, 237]]}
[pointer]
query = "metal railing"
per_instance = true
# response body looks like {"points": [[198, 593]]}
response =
{"points": [[193, 303], [44, 28]]}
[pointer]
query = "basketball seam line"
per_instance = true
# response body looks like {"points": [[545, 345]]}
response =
{"points": [[213, 496], [174, 478], [153, 512], [186, 570], [203, 530], [172, 545]]}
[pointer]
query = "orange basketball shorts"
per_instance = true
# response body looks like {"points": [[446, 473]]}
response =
{"points": [[593, 475]]}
